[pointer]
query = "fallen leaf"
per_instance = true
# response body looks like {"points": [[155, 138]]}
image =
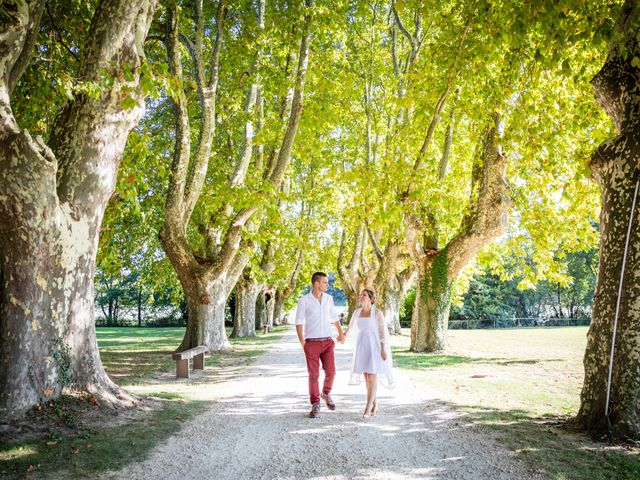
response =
{"points": [[52, 442], [88, 445], [75, 450], [48, 392]]}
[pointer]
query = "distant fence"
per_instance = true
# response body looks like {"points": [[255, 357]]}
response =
{"points": [[470, 324]]}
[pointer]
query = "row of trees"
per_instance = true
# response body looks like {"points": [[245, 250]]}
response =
{"points": [[422, 130]]}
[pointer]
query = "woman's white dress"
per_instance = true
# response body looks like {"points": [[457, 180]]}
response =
{"points": [[369, 332], [367, 356]]}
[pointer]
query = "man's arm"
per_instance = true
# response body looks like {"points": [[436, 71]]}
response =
{"points": [[336, 321], [340, 333], [300, 335]]}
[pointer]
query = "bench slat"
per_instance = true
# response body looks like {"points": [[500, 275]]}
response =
{"points": [[192, 352]]}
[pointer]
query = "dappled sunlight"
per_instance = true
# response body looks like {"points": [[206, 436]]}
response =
{"points": [[264, 407], [13, 453]]}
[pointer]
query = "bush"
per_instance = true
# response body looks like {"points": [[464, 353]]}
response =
{"points": [[406, 308]]}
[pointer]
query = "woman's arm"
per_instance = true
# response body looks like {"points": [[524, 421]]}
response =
{"points": [[381, 335]]}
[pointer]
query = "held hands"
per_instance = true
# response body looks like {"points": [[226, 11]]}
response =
{"points": [[341, 337]]}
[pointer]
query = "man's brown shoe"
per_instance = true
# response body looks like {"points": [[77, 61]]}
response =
{"points": [[329, 401], [315, 411]]}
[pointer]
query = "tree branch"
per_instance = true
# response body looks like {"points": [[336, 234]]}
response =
{"points": [[231, 242], [374, 244], [198, 171], [487, 217], [401, 26], [296, 107], [115, 44], [448, 141], [182, 150], [246, 152], [438, 108], [35, 14], [341, 267], [60, 36]]}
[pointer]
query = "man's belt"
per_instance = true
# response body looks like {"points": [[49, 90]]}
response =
{"points": [[317, 339]]}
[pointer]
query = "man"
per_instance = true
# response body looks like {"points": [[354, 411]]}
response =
{"points": [[314, 317]]}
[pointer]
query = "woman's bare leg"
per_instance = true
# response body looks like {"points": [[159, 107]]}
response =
{"points": [[373, 378], [369, 404]]}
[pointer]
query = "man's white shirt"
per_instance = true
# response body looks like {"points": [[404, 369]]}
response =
{"points": [[317, 317]]}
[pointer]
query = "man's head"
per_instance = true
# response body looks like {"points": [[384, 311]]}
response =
{"points": [[320, 281]]}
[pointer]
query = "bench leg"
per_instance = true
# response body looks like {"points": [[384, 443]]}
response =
{"points": [[198, 362], [182, 368]]}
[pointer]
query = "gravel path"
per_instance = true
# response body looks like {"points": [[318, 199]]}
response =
{"points": [[258, 428]]}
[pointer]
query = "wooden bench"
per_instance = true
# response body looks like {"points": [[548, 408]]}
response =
{"points": [[182, 360]]}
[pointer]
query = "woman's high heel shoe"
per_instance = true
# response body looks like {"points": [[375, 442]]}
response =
{"points": [[374, 409]]}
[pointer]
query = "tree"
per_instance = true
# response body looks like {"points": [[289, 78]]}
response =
{"points": [[487, 78], [53, 199], [610, 399], [208, 270]]}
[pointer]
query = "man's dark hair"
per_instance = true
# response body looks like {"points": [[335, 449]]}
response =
{"points": [[317, 276]]}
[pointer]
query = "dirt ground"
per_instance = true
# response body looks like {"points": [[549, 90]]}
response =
{"points": [[258, 428]]}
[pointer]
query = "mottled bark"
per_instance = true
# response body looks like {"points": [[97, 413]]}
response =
{"points": [[386, 282], [278, 308], [391, 307], [206, 301], [261, 311], [269, 302], [244, 321], [615, 167], [52, 202]]}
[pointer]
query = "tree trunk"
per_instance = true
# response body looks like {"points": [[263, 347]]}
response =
{"points": [[352, 303], [430, 320], [213, 277], [615, 168], [110, 318], [244, 321], [438, 269], [51, 207], [278, 308], [261, 310], [139, 307], [48, 307], [392, 302], [269, 307], [206, 302]]}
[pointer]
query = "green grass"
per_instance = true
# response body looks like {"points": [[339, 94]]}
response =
{"points": [[521, 383], [78, 440], [91, 451], [132, 356]]}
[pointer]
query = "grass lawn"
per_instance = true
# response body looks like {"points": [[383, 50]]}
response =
{"points": [[135, 356], [521, 383], [74, 438]]}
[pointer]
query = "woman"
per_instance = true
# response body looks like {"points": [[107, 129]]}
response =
{"points": [[372, 353]]}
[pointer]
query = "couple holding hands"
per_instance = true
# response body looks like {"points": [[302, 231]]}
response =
{"points": [[371, 353]]}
